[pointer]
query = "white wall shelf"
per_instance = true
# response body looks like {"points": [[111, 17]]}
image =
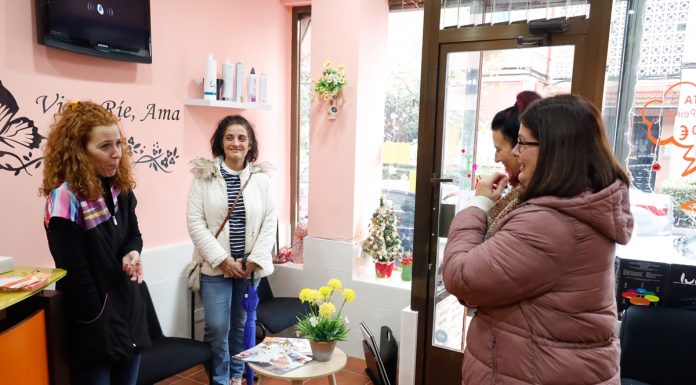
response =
{"points": [[226, 104]]}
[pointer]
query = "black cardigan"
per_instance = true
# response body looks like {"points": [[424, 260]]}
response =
{"points": [[106, 312]]}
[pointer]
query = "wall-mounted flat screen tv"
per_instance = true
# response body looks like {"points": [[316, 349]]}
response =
{"points": [[112, 29]]}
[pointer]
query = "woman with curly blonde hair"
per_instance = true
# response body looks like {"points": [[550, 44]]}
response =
{"points": [[93, 233]]}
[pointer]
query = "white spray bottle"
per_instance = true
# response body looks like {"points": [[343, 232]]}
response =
{"points": [[227, 80], [210, 79]]}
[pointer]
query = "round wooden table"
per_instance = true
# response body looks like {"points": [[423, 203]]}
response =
{"points": [[311, 370]]}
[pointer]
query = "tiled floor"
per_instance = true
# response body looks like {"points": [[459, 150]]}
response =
{"points": [[352, 374]]}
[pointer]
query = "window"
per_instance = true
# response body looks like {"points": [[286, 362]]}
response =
{"points": [[402, 102], [301, 99], [651, 116]]}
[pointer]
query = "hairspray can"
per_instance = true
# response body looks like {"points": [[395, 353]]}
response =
{"points": [[227, 80], [263, 91], [238, 81], [251, 83]]}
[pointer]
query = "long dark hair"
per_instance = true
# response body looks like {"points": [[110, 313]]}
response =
{"points": [[574, 152], [507, 121], [216, 140]]}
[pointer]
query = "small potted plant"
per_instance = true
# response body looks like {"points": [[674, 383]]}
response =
{"points": [[407, 266], [323, 326], [329, 85]]}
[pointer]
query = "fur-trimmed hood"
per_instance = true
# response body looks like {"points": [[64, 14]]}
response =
{"points": [[207, 207], [207, 169]]}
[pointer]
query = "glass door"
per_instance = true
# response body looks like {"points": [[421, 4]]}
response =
{"points": [[477, 85], [477, 61]]}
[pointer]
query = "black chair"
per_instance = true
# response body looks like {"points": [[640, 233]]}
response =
{"points": [[275, 314], [168, 355], [658, 346], [380, 361]]}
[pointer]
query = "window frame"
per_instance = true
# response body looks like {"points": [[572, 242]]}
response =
{"points": [[298, 13]]}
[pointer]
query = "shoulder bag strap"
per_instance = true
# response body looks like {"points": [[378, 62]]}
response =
{"points": [[234, 204]]}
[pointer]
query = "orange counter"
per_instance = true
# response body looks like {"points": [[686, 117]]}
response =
{"points": [[32, 340]]}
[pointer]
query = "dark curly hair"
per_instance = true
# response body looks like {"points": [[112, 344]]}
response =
{"points": [[216, 140], [65, 152]]}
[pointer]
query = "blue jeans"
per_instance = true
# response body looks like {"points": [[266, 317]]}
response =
{"points": [[106, 374], [224, 324]]}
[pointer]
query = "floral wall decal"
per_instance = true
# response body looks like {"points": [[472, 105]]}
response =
{"points": [[156, 159], [19, 138]]}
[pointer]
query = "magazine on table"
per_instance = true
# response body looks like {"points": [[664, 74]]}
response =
{"points": [[277, 354], [28, 282]]}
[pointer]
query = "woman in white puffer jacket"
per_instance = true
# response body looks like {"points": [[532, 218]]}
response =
{"points": [[250, 231]]}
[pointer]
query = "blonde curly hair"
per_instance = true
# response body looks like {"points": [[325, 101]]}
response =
{"points": [[65, 154]]}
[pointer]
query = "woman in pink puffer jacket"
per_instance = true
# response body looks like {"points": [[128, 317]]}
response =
{"points": [[543, 283]]}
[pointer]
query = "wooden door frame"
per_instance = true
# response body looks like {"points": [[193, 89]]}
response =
{"points": [[298, 13], [436, 44]]}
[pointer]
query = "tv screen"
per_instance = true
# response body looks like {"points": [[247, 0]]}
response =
{"points": [[114, 29]]}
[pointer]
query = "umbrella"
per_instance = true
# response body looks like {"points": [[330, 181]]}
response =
{"points": [[250, 301]]}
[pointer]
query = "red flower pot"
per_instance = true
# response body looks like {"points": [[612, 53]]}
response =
{"points": [[384, 269]]}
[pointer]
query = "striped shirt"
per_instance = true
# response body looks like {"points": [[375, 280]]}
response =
{"points": [[237, 220]]}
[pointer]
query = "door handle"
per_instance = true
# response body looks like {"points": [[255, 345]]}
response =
{"points": [[441, 180]]}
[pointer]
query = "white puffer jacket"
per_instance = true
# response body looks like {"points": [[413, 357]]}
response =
{"points": [[207, 208]]}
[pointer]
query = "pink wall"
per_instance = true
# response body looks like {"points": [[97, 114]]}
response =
{"points": [[183, 32], [345, 154]]}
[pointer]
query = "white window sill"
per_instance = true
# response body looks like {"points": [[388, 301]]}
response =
{"points": [[364, 271]]}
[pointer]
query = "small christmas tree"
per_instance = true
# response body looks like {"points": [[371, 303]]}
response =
{"points": [[374, 244], [383, 243], [392, 240]]}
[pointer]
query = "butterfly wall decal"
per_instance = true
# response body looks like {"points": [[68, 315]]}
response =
{"points": [[18, 137]]}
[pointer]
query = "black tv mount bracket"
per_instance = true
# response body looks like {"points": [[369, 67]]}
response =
{"points": [[543, 27]]}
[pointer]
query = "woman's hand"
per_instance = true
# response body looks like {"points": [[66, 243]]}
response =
{"points": [[250, 267], [133, 266], [232, 268], [492, 187]]}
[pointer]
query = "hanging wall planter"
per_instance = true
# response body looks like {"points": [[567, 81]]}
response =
{"points": [[333, 109], [329, 86]]}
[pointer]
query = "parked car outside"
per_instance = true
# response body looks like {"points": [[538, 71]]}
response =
{"points": [[404, 205]]}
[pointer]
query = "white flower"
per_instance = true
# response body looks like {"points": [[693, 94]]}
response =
{"points": [[313, 321], [347, 319]]}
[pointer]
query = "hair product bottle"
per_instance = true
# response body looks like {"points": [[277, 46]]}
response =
{"points": [[238, 81], [210, 79], [263, 92], [227, 80], [251, 83]]}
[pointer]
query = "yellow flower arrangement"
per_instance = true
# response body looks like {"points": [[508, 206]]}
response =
{"points": [[330, 83], [323, 322]]}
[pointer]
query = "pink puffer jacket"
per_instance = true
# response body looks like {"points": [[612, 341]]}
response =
{"points": [[544, 288]]}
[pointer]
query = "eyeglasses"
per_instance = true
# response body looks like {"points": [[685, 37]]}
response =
{"points": [[523, 145]]}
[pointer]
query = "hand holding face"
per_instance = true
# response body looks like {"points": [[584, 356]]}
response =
{"points": [[133, 266], [492, 187]]}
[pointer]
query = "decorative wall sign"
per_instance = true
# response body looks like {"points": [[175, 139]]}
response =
{"points": [[19, 138], [682, 137]]}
